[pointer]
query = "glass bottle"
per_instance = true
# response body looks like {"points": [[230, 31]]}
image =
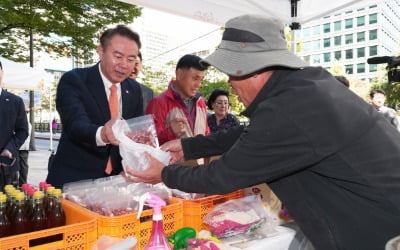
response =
{"points": [[38, 219], [47, 196], [5, 225], [21, 223], [57, 218]]}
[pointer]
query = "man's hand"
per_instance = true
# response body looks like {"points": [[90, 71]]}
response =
{"points": [[178, 127], [175, 149], [151, 175], [107, 135], [6, 153]]}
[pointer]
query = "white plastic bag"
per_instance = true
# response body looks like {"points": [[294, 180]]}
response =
{"points": [[133, 155]]}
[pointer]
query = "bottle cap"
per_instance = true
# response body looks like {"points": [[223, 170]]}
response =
{"points": [[20, 196], [3, 198], [38, 195], [57, 192]]}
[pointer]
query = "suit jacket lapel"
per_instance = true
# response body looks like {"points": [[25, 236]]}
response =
{"points": [[96, 88]]}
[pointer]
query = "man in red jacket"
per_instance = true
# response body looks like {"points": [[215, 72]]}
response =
{"points": [[180, 111]]}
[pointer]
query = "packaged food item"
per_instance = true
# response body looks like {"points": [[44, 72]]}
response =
{"points": [[236, 216], [138, 136]]}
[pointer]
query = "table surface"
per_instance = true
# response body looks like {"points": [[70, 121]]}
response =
{"points": [[280, 241]]}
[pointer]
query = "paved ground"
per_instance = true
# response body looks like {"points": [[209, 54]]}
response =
{"points": [[37, 166], [37, 161]]}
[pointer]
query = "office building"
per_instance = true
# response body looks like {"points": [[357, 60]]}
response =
{"points": [[351, 37]]}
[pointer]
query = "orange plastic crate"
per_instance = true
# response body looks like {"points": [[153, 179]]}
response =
{"points": [[80, 232], [127, 225], [195, 210]]}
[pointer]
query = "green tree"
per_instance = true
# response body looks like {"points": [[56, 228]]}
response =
{"points": [[62, 28]]}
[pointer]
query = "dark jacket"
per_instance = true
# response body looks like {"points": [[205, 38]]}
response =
{"points": [[83, 107], [326, 153], [13, 126]]}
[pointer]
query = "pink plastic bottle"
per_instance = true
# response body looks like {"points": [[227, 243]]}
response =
{"points": [[158, 239]]}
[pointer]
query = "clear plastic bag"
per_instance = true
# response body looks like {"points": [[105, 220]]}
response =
{"points": [[137, 136], [236, 216], [112, 196]]}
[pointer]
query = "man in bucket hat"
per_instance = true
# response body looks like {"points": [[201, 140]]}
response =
{"points": [[326, 153]]}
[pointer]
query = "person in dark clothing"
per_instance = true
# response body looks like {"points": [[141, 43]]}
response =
{"points": [[13, 132], [147, 93], [221, 119], [329, 156], [378, 99]]}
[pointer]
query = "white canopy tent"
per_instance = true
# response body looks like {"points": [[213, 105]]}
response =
{"points": [[21, 76], [219, 11], [292, 12]]}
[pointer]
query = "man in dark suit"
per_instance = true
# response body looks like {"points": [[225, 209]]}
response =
{"points": [[13, 132], [147, 93], [87, 148]]}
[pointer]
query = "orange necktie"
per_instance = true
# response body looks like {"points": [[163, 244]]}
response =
{"points": [[113, 105]]}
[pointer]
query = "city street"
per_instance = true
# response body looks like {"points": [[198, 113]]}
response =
{"points": [[38, 160]]}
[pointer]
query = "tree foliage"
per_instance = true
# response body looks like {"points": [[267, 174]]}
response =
{"points": [[64, 28]]}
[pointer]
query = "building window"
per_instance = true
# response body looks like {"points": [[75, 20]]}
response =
{"points": [[306, 59], [373, 50], [327, 57], [349, 53], [316, 59], [361, 68], [373, 18], [361, 52], [327, 27], [338, 40], [316, 44], [372, 6], [306, 32], [327, 42], [338, 55], [349, 23], [373, 67], [360, 21], [316, 30], [337, 26], [349, 69], [307, 46], [360, 37], [348, 12], [348, 38], [373, 34]]}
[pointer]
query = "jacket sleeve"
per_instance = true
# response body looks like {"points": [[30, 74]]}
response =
{"points": [[215, 144], [159, 114], [271, 147], [20, 128], [77, 109]]}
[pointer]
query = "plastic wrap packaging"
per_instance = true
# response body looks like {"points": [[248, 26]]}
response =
{"points": [[186, 196], [137, 136], [236, 216], [112, 196]]}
